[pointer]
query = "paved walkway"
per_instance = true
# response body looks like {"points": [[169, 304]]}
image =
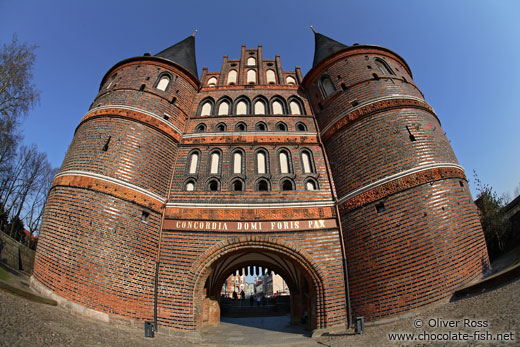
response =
{"points": [[257, 331]]}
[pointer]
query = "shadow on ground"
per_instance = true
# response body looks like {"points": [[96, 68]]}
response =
{"points": [[257, 331]]}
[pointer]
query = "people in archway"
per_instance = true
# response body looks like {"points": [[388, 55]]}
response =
{"points": [[235, 296], [242, 294], [251, 300], [258, 300]]}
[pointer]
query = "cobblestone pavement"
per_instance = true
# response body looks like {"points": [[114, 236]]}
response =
{"points": [[25, 323]]}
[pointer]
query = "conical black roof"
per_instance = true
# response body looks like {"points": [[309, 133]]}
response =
{"points": [[183, 54], [325, 47]]}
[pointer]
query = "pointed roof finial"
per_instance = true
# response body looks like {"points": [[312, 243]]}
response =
{"points": [[195, 32], [313, 30]]}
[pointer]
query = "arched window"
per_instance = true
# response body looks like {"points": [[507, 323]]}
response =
{"points": [[284, 159], [262, 185], [251, 76], [281, 126], [163, 82], [213, 185], [383, 67], [307, 164], [194, 163], [271, 78], [189, 186], [241, 126], [261, 126], [326, 86], [237, 162], [221, 127], [259, 107], [301, 126], [201, 128], [290, 80], [241, 107], [251, 61], [232, 77], [261, 162], [277, 107], [311, 184], [286, 185], [237, 185], [223, 108], [214, 167], [206, 108], [212, 82], [295, 107]]}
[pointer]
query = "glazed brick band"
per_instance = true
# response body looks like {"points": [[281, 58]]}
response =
{"points": [[400, 184]]}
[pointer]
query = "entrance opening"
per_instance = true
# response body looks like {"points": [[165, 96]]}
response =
{"points": [[258, 283]]}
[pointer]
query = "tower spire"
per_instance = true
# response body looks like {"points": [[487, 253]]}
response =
{"points": [[183, 54], [324, 47], [312, 28]]}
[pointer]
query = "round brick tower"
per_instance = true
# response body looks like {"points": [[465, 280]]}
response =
{"points": [[412, 233], [100, 230]]}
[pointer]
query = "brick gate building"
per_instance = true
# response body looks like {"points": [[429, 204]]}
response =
{"points": [[172, 183]]}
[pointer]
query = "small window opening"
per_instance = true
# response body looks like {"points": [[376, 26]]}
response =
{"points": [[166, 117], [320, 106], [221, 127], [369, 67], [461, 183], [263, 186], [200, 128], [380, 207], [344, 87], [213, 186], [376, 77], [301, 127], [354, 103], [105, 147], [287, 185], [237, 186], [339, 77], [281, 127], [145, 215], [261, 127], [404, 80], [173, 100], [412, 138], [142, 87], [240, 127]]}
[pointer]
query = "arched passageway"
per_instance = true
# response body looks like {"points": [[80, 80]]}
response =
{"points": [[303, 282]]}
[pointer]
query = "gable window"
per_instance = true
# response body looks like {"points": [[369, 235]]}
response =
{"points": [[251, 61], [190, 186], [262, 185], [287, 185], [251, 77], [213, 185], [232, 77], [237, 185], [163, 82], [240, 127], [212, 82], [271, 78], [311, 184], [200, 128], [281, 126], [221, 127], [290, 80], [301, 126]]}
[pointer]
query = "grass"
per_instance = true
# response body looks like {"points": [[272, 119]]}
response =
{"points": [[4, 275]]}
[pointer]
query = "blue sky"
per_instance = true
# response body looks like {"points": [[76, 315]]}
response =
{"points": [[464, 55]]}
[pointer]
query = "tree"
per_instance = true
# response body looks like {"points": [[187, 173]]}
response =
{"points": [[18, 94], [496, 227]]}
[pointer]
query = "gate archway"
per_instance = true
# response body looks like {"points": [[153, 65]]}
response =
{"points": [[294, 265]]}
